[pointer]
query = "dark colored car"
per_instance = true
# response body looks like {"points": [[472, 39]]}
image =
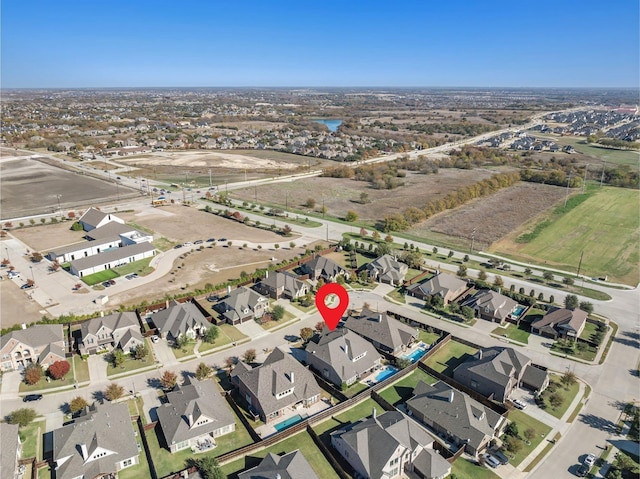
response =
{"points": [[26, 286], [582, 470], [198, 242], [211, 240], [222, 239], [32, 397], [499, 455], [178, 246], [106, 284]]}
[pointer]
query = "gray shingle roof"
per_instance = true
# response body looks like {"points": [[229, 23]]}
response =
{"points": [[292, 465], [178, 318], [126, 319], [456, 412], [290, 284], [107, 427], [440, 284], [337, 349], [496, 364], [111, 230], [562, 319], [535, 377], [431, 464], [381, 328], [197, 399], [243, 298], [111, 256], [322, 267], [92, 217], [388, 268], [36, 336], [8, 449], [497, 304], [273, 377]]}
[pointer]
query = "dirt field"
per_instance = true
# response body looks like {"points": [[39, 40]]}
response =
{"points": [[45, 238], [495, 216], [212, 265], [30, 187], [15, 307], [341, 195], [207, 159]]}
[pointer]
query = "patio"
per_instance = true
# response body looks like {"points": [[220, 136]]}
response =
{"points": [[267, 430], [203, 444]]}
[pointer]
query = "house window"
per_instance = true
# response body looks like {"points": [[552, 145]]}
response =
{"points": [[182, 445], [474, 384]]}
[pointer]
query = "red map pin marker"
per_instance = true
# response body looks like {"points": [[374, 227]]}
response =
{"points": [[332, 316]]}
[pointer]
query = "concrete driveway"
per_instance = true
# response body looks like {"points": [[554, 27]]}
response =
{"points": [[164, 354], [97, 368], [251, 329]]}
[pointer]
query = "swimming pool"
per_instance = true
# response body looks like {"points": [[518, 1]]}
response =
{"points": [[386, 373], [518, 311], [289, 422], [416, 355]]}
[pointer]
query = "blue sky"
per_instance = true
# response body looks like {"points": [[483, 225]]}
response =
{"points": [[140, 43]]}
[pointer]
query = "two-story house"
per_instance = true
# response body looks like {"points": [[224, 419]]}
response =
{"points": [[117, 330], [445, 285], [492, 306], [243, 304], [385, 333], [322, 267], [560, 323], [42, 344], [276, 285], [389, 446], [292, 465], [386, 269], [279, 383], [180, 319]]}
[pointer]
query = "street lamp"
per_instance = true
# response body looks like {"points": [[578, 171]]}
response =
{"points": [[59, 208], [32, 277], [7, 251]]}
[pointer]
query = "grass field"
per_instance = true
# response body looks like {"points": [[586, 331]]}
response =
{"points": [[99, 277], [402, 390], [606, 227], [464, 469], [427, 338], [567, 396], [31, 437], [517, 333], [525, 422], [141, 267], [610, 155], [449, 357]]}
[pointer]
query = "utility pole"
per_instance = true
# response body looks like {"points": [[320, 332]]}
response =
{"points": [[286, 200], [579, 264], [602, 177], [327, 231], [59, 208], [210, 178], [473, 239], [566, 197], [255, 192], [584, 182]]}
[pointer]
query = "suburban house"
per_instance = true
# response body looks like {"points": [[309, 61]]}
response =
{"points": [[455, 416], [94, 218], [10, 451], [97, 444], [495, 372], [386, 269], [386, 334], [276, 285], [279, 383], [322, 267], [341, 356], [111, 259], [491, 305], [388, 446], [194, 415], [117, 330], [561, 323], [242, 304], [445, 285], [179, 319], [292, 465], [42, 344]]}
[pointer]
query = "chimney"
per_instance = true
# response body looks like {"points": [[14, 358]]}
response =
{"points": [[85, 453], [374, 414], [266, 274], [190, 419], [451, 395], [346, 349], [229, 289], [24, 325], [379, 318], [499, 290], [480, 354], [291, 377]]}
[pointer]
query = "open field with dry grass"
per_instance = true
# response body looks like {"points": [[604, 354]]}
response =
{"points": [[47, 237], [31, 187], [341, 195], [15, 307], [494, 216]]}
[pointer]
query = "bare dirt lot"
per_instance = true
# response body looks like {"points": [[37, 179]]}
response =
{"points": [[494, 216], [47, 237], [32, 187], [15, 307], [341, 195]]}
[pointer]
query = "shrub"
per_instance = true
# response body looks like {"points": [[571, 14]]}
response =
{"points": [[211, 334]]}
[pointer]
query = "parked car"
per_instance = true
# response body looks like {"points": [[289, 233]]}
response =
{"points": [[519, 404], [106, 284], [213, 298], [491, 461], [211, 240], [222, 239], [590, 460], [198, 242], [500, 456], [32, 397], [178, 246], [187, 244], [112, 282], [26, 286], [13, 274], [582, 470], [155, 338]]}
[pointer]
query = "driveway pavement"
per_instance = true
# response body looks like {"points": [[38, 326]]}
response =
{"points": [[251, 329], [97, 368]]}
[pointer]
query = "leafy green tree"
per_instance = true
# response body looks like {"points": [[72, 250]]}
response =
{"points": [[467, 312], [22, 417], [466, 258], [436, 301], [527, 271], [77, 404], [117, 358], [462, 271], [351, 216], [182, 341], [571, 301], [482, 275], [568, 378], [203, 371], [555, 400], [548, 275], [435, 250], [450, 255], [498, 281], [208, 467], [277, 312], [402, 363], [211, 334], [140, 351], [512, 429], [568, 281], [586, 306]]}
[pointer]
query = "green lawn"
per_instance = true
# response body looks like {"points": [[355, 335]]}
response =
{"points": [[517, 333], [449, 357], [610, 155], [31, 437], [44, 473], [412, 273], [136, 408], [525, 422], [227, 335], [305, 309], [82, 369], [396, 295], [606, 227], [362, 410], [427, 338], [567, 396], [300, 441], [587, 353], [589, 330], [48, 383], [141, 469], [163, 244], [278, 324], [401, 391], [141, 267], [355, 388], [464, 469], [544, 452], [131, 364], [166, 463], [99, 277]]}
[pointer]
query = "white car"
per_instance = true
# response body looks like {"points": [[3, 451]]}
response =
{"points": [[519, 404], [186, 245], [155, 339], [589, 460], [13, 274]]}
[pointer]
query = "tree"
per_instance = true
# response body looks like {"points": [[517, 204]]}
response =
{"points": [[211, 334], [555, 400], [529, 434], [568, 378], [375, 236], [22, 417], [310, 203], [541, 296], [412, 259], [276, 246], [513, 444], [249, 356], [363, 232], [571, 301], [306, 334], [482, 275], [364, 197], [208, 467], [436, 301], [59, 369], [498, 281], [450, 255], [32, 374], [168, 380], [586, 306], [277, 312], [467, 312], [229, 362], [203, 371], [319, 327], [462, 271], [351, 216], [614, 474], [466, 258], [402, 363], [140, 351], [388, 239], [623, 462], [286, 230], [435, 250], [292, 245], [512, 429], [527, 271], [36, 257], [548, 275], [117, 358], [568, 281], [77, 404], [182, 341], [114, 392], [76, 226]]}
